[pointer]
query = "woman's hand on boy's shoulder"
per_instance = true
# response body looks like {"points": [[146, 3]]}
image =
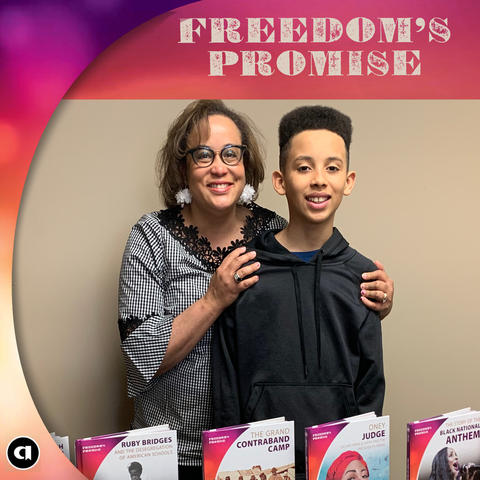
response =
{"points": [[235, 274], [377, 290]]}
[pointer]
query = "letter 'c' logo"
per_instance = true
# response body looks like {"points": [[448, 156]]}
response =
{"points": [[23, 453]]}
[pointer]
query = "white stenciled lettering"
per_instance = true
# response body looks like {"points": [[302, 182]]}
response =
{"points": [[258, 28], [225, 29], [219, 59], [187, 29]]}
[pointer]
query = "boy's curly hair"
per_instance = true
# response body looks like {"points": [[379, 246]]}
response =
{"points": [[314, 117]]}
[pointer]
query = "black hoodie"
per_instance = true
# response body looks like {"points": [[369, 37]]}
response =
{"points": [[299, 343]]}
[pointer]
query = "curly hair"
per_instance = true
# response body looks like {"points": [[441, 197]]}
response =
{"points": [[135, 466], [314, 117], [192, 123]]}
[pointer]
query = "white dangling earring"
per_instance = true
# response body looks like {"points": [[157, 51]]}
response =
{"points": [[247, 196], [183, 197]]}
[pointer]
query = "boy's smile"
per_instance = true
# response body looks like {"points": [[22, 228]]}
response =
{"points": [[315, 177], [318, 201]]}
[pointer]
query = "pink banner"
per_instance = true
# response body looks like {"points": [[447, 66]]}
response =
{"points": [[271, 50]]}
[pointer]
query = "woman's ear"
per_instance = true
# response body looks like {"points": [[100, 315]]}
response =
{"points": [[278, 182]]}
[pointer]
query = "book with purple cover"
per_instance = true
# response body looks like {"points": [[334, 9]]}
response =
{"points": [[257, 450], [149, 454], [355, 445], [446, 446]]}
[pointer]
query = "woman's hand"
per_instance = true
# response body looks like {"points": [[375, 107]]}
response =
{"points": [[377, 291], [232, 277], [467, 474], [190, 326]]}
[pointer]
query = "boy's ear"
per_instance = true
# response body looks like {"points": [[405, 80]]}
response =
{"points": [[278, 182], [349, 183]]}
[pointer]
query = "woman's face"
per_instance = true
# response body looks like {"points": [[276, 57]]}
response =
{"points": [[355, 470], [218, 186], [453, 465]]}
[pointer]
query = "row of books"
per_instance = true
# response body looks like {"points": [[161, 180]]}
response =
{"points": [[442, 447]]}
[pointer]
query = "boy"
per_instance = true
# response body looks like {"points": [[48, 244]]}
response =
{"points": [[300, 343]]}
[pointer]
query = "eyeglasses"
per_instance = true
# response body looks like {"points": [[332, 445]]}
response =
{"points": [[203, 156]]}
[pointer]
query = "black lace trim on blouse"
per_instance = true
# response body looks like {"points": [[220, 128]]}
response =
{"points": [[129, 324], [255, 224]]}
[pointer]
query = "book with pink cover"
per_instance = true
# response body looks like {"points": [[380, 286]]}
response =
{"points": [[446, 446], [149, 454], [352, 446], [257, 450]]}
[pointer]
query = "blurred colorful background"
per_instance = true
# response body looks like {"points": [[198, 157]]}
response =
{"points": [[44, 46]]}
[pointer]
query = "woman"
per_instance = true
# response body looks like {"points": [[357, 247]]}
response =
{"points": [[445, 466], [184, 265], [349, 465]]}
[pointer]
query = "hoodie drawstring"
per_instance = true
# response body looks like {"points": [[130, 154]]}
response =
{"points": [[317, 300], [298, 299], [317, 304]]}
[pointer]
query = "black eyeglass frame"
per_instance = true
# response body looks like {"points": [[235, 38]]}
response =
{"points": [[190, 152]]}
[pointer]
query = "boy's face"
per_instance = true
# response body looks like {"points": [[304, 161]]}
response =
{"points": [[315, 176]]}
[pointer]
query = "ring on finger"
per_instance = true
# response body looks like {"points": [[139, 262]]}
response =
{"points": [[385, 298], [237, 277]]}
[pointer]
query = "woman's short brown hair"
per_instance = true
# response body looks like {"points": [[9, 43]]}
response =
{"points": [[171, 159]]}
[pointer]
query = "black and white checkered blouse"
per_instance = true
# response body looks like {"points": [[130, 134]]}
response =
{"points": [[166, 267]]}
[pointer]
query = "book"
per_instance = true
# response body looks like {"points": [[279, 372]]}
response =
{"points": [[63, 443], [445, 446], [262, 450], [359, 446], [142, 454]]}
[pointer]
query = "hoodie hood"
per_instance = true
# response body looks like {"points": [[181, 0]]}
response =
{"points": [[270, 251]]}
